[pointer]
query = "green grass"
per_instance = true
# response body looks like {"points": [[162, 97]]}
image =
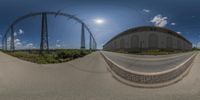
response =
{"points": [[196, 49], [53, 56], [152, 52], [155, 52], [161, 52]]}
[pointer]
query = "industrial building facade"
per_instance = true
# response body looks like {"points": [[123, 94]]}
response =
{"points": [[148, 38]]}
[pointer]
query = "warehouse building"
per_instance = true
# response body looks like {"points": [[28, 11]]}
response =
{"points": [[148, 38]]}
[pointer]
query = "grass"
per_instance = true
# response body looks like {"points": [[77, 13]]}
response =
{"points": [[196, 49], [53, 56], [152, 52], [161, 52], [155, 52]]}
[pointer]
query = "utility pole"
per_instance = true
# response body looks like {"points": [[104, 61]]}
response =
{"points": [[12, 39], [82, 36], [44, 44]]}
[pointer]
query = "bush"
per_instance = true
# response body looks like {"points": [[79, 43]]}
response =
{"points": [[154, 52], [71, 54], [54, 56]]}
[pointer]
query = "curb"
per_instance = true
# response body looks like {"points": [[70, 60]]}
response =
{"points": [[149, 80]]}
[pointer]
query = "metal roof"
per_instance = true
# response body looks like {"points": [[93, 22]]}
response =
{"points": [[149, 28]]}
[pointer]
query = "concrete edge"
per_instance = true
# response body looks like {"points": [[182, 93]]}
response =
{"points": [[149, 80], [144, 73]]}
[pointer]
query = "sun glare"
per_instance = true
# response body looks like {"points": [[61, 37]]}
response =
{"points": [[99, 21]]}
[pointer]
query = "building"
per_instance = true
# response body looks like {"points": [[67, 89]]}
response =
{"points": [[148, 38]]}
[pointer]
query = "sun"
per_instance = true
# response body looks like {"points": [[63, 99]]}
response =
{"points": [[99, 21]]}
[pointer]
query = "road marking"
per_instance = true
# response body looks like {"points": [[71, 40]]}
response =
{"points": [[148, 59]]}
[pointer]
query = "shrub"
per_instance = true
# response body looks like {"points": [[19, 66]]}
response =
{"points": [[54, 56]]}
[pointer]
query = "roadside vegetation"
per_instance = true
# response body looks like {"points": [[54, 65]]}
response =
{"points": [[196, 49], [153, 52], [53, 56], [161, 52]]}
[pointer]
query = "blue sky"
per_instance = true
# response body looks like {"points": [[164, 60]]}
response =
{"points": [[182, 16]]}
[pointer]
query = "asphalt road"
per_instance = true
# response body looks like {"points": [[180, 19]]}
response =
{"points": [[149, 64], [86, 78]]}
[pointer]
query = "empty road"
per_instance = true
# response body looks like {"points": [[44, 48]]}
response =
{"points": [[86, 78], [145, 63]]}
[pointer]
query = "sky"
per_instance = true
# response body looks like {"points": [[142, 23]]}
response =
{"points": [[105, 18]]}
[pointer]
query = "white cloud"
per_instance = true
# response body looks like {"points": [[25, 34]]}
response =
{"points": [[179, 32], [58, 45], [19, 44], [57, 40], [173, 23], [15, 33], [146, 10], [20, 32], [30, 46], [17, 40], [159, 21]]}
